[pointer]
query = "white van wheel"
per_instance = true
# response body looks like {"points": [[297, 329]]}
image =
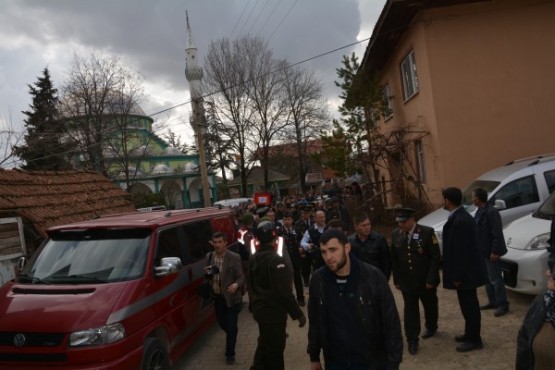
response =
{"points": [[155, 356]]}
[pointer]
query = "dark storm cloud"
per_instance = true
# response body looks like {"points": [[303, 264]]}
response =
{"points": [[152, 33]]}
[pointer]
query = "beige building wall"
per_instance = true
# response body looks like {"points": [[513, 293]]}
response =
{"points": [[486, 75]]}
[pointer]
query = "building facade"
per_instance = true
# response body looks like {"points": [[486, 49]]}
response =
{"points": [[467, 84]]}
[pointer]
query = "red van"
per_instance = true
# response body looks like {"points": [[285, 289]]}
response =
{"points": [[118, 292]]}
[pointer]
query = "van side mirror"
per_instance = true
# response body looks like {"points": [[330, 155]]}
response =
{"points": [[500, 204], [168, 265]]}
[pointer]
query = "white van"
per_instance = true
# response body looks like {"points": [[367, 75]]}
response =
{"points": [[516, 189], [527, 240]]}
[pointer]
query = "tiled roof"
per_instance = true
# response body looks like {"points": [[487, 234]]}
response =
{"points": [[55, 198]]}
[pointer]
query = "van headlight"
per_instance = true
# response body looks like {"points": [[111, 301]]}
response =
{"points": [[94, 337], [538, 242]]}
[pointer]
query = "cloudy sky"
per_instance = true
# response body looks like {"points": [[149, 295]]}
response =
{"points": [[149, 37]]}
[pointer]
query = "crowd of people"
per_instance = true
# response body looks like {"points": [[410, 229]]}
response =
{"points": [[352, 315]]}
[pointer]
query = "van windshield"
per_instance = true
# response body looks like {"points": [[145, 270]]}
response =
{"points": [[488, 186], [89, 257]]}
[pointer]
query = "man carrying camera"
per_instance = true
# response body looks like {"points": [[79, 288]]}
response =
{"points": [[225, 271]]}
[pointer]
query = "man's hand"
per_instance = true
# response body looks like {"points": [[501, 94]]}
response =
{"points": [[457, 284], [233, 288], [494, 257], [316, 366], [302, 321], [430, 286]]}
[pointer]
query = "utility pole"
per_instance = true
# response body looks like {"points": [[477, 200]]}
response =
{"points": [[194, 73]]}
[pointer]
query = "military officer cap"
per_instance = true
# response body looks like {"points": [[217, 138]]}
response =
{"points": [[403, 214], [261, 212]]}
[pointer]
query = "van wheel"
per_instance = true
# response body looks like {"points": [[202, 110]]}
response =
{"points": [[155, 356]]}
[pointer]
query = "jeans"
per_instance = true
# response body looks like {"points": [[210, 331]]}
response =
{"points": [[227, 319], [495, 287]]}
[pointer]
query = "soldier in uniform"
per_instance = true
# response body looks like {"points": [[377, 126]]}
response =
{"points": [[415, 261], [301, 225], [271, 299]]}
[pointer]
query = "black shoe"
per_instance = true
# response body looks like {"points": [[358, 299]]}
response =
{"points": [[230, 360], [428, 334], [489, 306], [300, 302], [500, 311], [413, 348], [460, 338], [469, 346]]}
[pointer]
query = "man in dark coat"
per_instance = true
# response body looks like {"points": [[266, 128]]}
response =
{"points": [[415, 265], [492, 245], [353, 318], [463, 267], [271, 299], [370, 246]]}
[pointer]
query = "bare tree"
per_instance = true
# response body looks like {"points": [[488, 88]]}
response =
{"points": [[9, 138], [225, 78], [308, 114], [266, 89], [100, 105]]}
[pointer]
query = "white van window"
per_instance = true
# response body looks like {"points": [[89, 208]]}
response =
{"points": [[518, 193], [550, 180]]}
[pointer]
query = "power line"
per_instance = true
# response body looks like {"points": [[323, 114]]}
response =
{"points": [[283, 19]]}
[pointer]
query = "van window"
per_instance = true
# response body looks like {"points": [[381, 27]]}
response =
{"points": [[518, 193], [168, 245], [90, 256], [550, 180], [197, 240]]}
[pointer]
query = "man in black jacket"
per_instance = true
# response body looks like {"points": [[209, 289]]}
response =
{"points": [[271, 299], [492, 246], [463, 267], [370, 246], [352, 315]]}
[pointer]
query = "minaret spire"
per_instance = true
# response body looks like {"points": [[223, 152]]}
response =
{"points": [[193, 72]]}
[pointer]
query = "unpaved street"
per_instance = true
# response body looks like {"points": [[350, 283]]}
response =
{"points": [[436, 353]]}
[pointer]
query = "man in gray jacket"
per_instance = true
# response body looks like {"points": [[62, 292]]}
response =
{"points": [[225, 271]]}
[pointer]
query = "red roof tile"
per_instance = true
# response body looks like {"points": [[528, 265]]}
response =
{"points": [[48, 198]]}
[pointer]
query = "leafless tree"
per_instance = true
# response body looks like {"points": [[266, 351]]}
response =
{"points": [[308, 114], [9, 138], [225, 78], [266, 89], [100, 103]]}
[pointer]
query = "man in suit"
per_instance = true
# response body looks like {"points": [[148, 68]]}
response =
{"points": [[492, 246], [224, 270], [463, 267], [415, 265]]}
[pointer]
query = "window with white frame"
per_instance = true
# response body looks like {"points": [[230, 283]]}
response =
{"points": [[387, 104], [420, 166], [409, 76]]}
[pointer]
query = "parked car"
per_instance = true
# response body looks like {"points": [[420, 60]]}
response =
{"points": [[527, 240], [516, 189], [117, 292]]}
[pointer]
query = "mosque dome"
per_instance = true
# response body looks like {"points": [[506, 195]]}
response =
{"points": [[161, 169], [190, 167], [171, 150]]}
